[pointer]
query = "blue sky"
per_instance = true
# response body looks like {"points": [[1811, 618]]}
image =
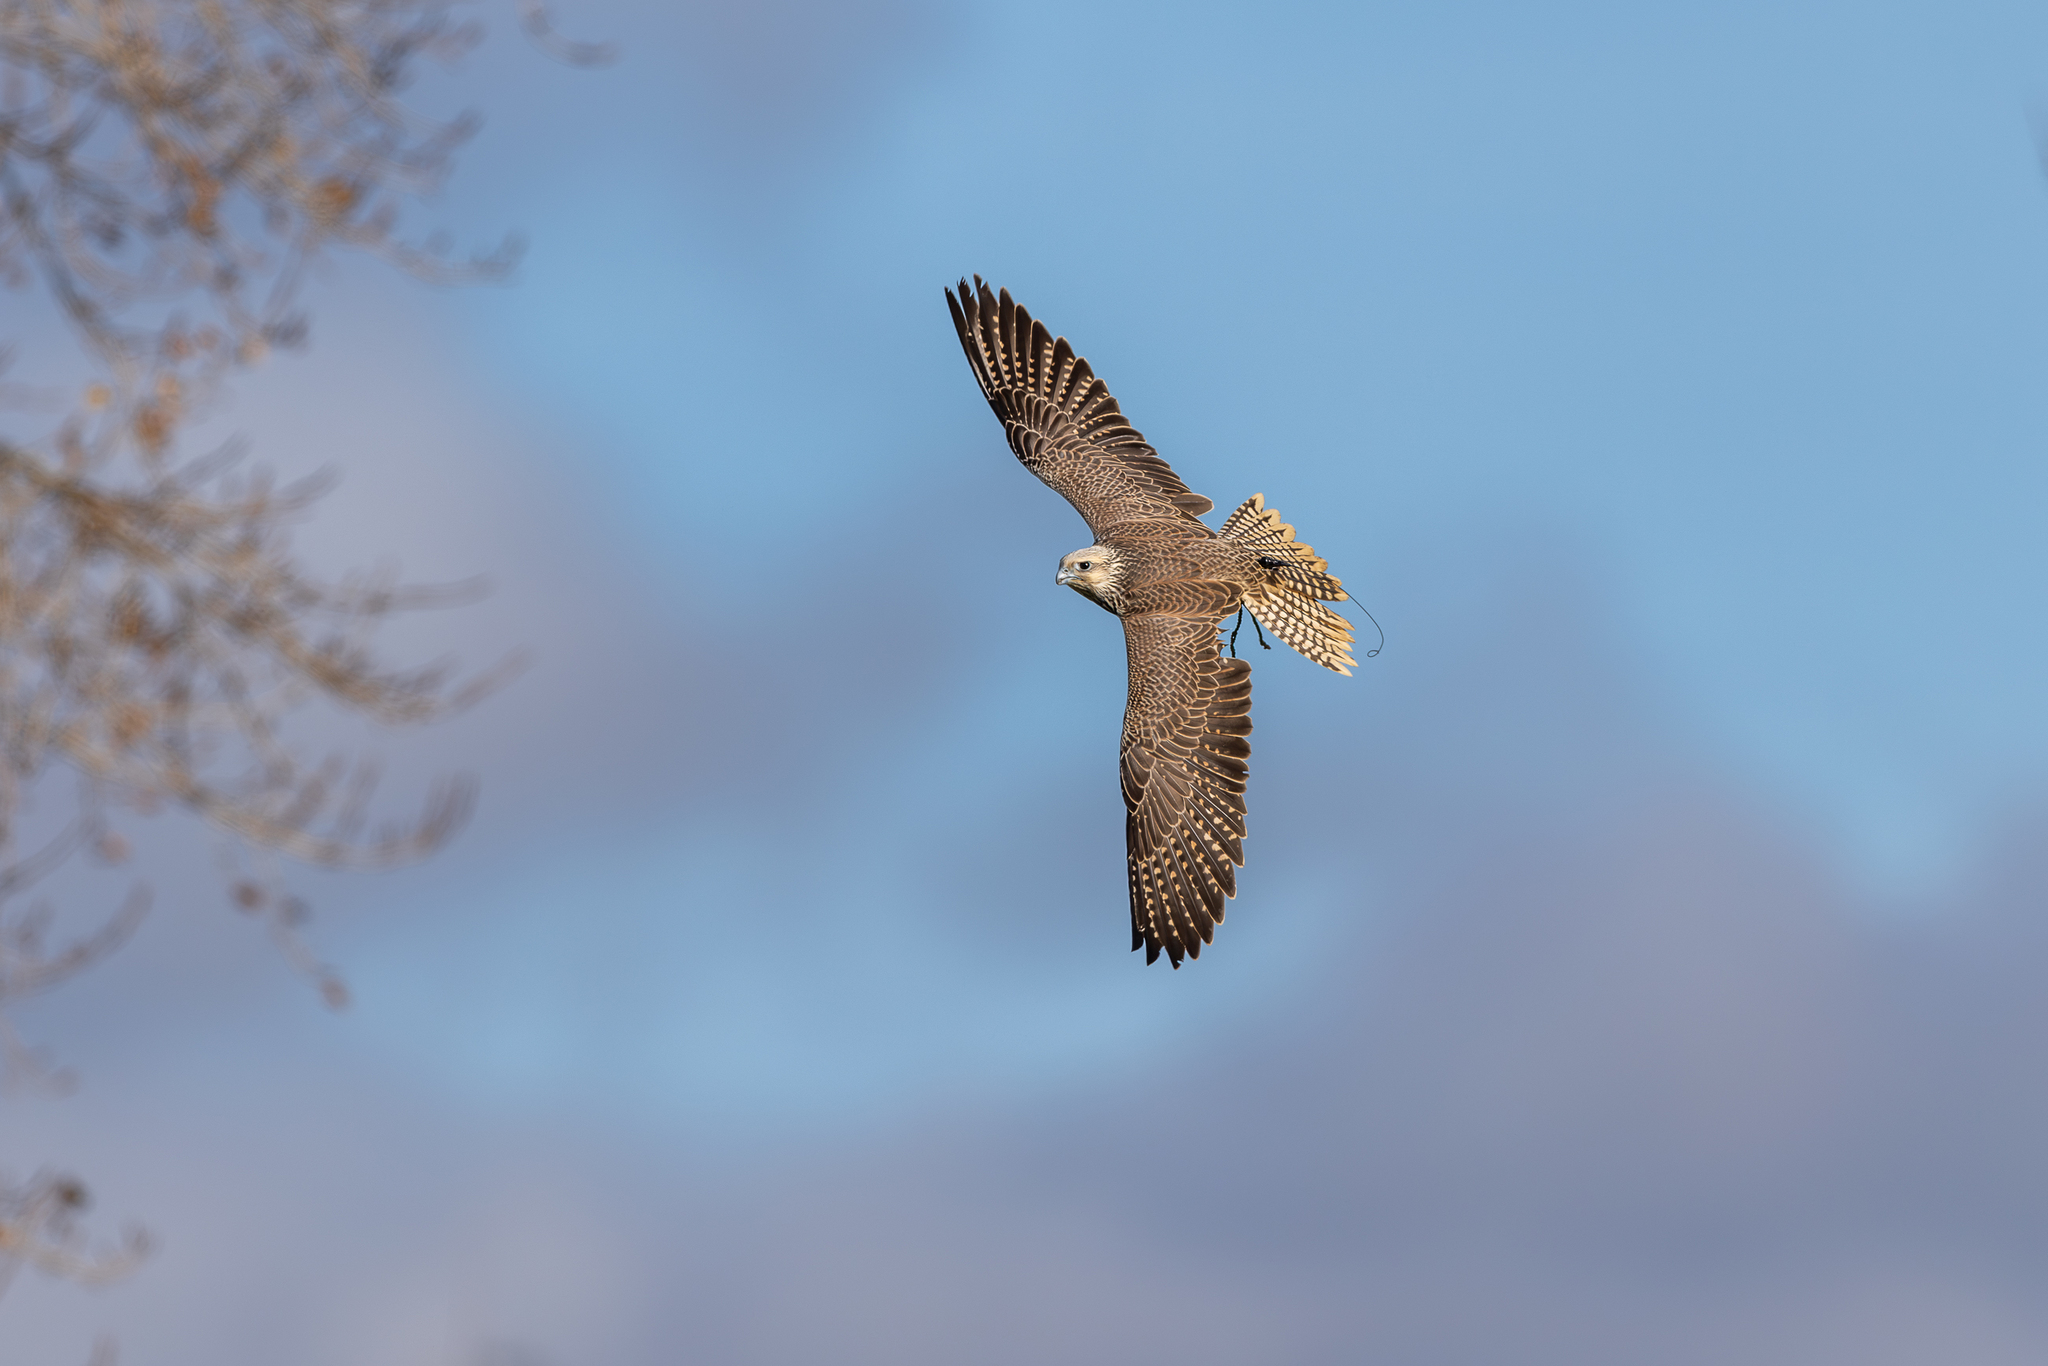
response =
{"points": [[1744, 304], [1666, 379]]}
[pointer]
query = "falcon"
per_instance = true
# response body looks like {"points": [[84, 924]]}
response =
{"points": [[1172, 581]]}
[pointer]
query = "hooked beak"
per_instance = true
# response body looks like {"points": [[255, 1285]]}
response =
{"points": [[1065, 577]]}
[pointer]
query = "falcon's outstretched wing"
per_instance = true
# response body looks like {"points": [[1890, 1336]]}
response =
{"points": [[1183, 766], [1060, 418]]}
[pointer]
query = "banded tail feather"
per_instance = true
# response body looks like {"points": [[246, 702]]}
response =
{"points": [[1290, 605]]}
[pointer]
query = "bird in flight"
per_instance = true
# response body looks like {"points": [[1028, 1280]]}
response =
{"points": [[1172, 581]]}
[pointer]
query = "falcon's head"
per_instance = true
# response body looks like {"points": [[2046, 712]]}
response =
{"points": [[1092, 571]]}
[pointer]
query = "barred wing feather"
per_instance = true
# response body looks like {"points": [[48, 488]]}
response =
{"points": [[1061, 420], [1183, 765]]}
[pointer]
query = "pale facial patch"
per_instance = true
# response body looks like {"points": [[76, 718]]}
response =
{"points": [[1089, 571]]}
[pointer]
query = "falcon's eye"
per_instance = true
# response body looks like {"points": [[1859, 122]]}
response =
{"points": [[1087, 564]]}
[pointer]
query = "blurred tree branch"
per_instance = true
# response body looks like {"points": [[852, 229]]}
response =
{"points": [[168, 169], [38, 1228]]}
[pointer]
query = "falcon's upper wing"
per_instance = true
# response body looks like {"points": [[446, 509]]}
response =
{"points": [[1060, 418], [1183, 766]]}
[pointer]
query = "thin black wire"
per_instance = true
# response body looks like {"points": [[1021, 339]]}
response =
{"points": [[1374, 651]]}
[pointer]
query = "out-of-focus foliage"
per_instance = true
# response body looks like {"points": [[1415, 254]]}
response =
{"points": [[38, 1229], [168, 168], [198, 153]]}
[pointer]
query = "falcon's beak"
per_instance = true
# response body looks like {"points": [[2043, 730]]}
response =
{"points": [[1066, 576]]}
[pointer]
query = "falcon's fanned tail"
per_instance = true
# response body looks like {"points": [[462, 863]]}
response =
{"points": [[1290, 605]]}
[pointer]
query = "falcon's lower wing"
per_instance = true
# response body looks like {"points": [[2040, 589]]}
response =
{"points": [[1183, 766]]}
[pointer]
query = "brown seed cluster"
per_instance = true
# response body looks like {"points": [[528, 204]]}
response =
{"points": [[168, 169], [38, 1229]]}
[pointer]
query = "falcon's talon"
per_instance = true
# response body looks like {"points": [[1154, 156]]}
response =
{"points": [[1171, 580]]}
